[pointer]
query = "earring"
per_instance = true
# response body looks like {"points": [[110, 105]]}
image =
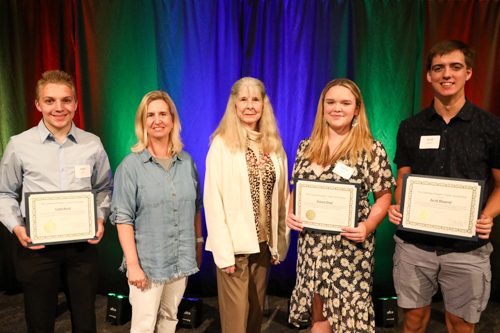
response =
{"points": [[354, 122], [324, 121]]}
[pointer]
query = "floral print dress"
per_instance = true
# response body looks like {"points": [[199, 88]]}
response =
{"points": [[334, 267]]}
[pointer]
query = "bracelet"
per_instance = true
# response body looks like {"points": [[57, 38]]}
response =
{"points": [[200, 240]]}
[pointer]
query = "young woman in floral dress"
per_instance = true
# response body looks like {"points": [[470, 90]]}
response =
{"points": [[334, 271]]}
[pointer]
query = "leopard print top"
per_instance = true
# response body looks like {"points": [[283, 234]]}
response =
{"points": [[268, 178]]}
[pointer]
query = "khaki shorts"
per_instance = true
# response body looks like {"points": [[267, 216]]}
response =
{"points": [[464, 279]]}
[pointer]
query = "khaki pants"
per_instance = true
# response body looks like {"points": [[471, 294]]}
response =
{"points": [[155, 308], [242, 294]]}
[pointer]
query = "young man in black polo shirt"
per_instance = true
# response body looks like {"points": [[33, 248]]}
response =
{"points": [[467, 146]]}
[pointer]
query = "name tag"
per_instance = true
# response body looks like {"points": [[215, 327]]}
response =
{"points": [[429, 141], [82, 171], [343, 170]]}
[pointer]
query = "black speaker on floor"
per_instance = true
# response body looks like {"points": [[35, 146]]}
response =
{"points": [[119, 310], [386, 311], [189, 314]]}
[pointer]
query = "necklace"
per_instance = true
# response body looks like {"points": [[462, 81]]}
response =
{"points": [[258, 163]]}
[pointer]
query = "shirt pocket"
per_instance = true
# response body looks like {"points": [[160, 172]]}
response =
{"points": [[151, 195], [82, 175], [186, 189]]}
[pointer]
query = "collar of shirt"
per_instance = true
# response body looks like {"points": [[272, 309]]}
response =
{"points": [[146, 156], [46, 135], [466, 113]]}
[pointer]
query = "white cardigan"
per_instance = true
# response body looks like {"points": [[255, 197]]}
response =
{"points": [[228, 206]]}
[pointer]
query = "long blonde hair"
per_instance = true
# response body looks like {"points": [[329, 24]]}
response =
{"points": [[231, 129], [174, 138], [358, 140]]}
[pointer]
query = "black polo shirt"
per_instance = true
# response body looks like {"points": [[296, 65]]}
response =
{"points": [[469, 148]]}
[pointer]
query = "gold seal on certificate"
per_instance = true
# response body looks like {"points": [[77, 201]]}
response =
{"points": [[423, 214], [326, 206], [49, 227], [60, 217], [446, 207], [310, 214]]}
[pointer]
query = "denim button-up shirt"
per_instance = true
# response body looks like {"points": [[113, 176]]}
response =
{"points": [[161, 206]]}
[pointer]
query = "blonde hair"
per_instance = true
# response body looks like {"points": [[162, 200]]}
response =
{"points": [[174, 138], [231, 129], [358, 140], [56, 77]]}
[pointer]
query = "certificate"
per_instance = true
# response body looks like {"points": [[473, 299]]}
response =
{"points": [[60, 217], [446, 207], [326, 206]]}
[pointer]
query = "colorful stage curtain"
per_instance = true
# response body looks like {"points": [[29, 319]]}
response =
{"points": [[195, 50]]}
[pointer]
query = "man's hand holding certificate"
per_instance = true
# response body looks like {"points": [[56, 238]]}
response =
{"points": [[444, 206]]}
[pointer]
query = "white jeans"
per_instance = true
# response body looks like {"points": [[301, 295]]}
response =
{"points": [[156, 301]]}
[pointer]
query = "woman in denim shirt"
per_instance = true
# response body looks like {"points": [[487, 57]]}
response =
{"points": [[157, 209]]}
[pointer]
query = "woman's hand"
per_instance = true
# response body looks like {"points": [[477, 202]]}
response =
{"points": [[273, 261], [199, 253], [293, 222], [358, 234], [136, 276], [394, 214], [229, 270]]}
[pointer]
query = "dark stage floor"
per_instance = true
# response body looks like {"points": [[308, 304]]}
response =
{"points": [[12, 318]]}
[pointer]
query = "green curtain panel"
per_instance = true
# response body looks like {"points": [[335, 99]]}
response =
{"points": [[118, 51]]}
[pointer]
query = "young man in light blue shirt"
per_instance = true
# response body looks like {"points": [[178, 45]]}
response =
{"points": [[47, 158]]}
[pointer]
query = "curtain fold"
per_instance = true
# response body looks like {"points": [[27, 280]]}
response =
{"points": [[117, 53], [12, 102], [387, 61], [195, 50], [199, 59], [295, 48], [117, 48], [476, 23]]}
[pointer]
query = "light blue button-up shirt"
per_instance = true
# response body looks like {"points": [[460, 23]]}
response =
{"points": [[37, 162], [161, 206]]}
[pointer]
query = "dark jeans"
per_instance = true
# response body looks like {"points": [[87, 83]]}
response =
{"points": [[40, 273]]}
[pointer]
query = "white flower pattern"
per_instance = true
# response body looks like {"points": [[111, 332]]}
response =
{"points": [[338, 270]]}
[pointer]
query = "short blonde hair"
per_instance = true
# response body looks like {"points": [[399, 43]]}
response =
{"points": [[358, 140], [231, 129], [57, 77], [174, 138]]}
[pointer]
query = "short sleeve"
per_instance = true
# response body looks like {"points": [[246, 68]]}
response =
{"points": [[123, 203], [380, 169], [494, 143], [299, 159], [403, 154]]}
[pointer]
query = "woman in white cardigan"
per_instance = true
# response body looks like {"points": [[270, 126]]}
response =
{"points": [[246, 203]]}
